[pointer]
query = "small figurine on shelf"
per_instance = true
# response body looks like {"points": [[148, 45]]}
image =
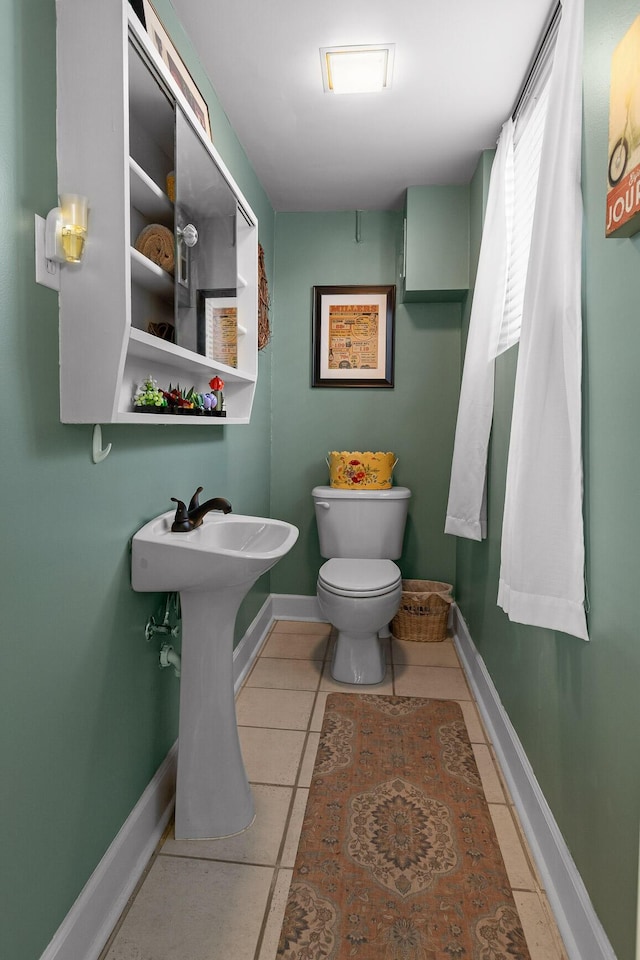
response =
{"points": [[209, 404], [149, 399], [217, 386], [183, 401], [173, 398], [194, 401]]}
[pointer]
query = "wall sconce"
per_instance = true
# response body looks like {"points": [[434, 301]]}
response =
{"points": [[66, 229]]}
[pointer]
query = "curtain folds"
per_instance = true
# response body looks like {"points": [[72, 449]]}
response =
{"points": [[542, 563], [466, 510], [542, 558]]}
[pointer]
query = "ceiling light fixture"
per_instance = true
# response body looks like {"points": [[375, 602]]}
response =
{"points": [[361, 69]]}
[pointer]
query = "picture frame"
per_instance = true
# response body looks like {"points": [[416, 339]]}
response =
{"points": [[623, 167], [353, 336], [175, 64], [217, 325]]}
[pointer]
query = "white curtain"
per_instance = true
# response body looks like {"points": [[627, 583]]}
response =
{"points": [[466, 510], [542, 568]]}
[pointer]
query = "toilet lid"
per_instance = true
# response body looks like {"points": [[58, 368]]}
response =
{"points": [[361, 578]]}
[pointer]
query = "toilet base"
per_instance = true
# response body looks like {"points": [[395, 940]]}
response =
{"points": [[358, 658]]}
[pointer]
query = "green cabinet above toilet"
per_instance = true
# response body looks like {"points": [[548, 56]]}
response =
{"points": [[436, 243]]}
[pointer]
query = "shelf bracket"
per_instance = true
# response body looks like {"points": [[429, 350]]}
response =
{"points": [[98, 453]]}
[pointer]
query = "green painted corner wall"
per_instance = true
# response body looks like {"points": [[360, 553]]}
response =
{"points": [[574, 705], [415, 419], [87, 714]]}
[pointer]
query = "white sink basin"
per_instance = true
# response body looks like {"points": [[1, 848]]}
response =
{"points": [[212, 567], [226, 550]]}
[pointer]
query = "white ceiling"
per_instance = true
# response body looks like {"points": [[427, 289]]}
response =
{"points": [[459, 65]]}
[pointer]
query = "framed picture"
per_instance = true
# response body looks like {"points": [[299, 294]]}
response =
{"points": [[623, 169], [353, 336], [176, 66], [217, 325]]}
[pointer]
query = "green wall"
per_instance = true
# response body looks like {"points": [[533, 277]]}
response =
{"points": [[575, 705], [415, 420], [87, 714]]}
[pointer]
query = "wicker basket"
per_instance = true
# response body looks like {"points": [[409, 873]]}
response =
{"points": [[424, 611]]}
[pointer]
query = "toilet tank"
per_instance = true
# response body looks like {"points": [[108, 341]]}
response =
{"points": [[367, 524]]}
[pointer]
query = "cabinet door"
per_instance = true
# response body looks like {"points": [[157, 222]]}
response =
{"points": [[206, 263], [436, 243]]}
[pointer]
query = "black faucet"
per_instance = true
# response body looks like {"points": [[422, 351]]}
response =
{"points": [[188, 518]]}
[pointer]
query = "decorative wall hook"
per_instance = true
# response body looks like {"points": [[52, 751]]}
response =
{"points": [[98, 453]]}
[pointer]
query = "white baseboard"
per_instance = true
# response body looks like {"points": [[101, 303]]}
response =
{"points": [[291, 606], [249, 647], [581, 931]]}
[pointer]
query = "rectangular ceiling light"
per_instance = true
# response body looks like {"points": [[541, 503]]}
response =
{"points": [[363, 69]]}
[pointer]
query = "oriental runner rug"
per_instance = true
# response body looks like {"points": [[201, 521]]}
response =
{"points": [[398, 857]]}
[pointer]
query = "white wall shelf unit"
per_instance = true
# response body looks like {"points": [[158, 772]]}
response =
{"points": [[123, 126]]}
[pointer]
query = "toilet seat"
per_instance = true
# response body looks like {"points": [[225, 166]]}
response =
{"points": [[359, 578]]}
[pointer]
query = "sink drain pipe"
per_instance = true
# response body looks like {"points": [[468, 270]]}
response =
{"points": [[169, 658]]}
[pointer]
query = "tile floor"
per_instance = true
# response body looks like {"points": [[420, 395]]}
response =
{"points": [[224, 899]]}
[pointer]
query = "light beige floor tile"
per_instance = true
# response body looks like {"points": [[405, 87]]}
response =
{"points": [[295, 827], [501, 776], [515, 859], [264, 707], [524, 843], [475, 728], [537, 931], [425, 654], [297, 646], [285, 674], [318, 710], [271, 756], [488, 774], [275, 917], [444, 683], [306, 771], [302, 626], [259, 843], [553, 927], [195, 909], [330, 685]]}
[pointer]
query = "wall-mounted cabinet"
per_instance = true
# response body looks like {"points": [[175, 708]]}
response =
{"points": [[436, 243], [123, 127]]}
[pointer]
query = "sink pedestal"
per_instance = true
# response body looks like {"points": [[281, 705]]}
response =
{"points": [[213, 797], [212, 567]]}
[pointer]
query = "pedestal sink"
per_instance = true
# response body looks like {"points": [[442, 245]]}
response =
{"points": [[212, 567]]}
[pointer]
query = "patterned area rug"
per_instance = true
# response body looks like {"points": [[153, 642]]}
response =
{"points": [[398, 858]]}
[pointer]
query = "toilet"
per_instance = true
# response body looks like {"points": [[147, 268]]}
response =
{"points": [[360, 587]]}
